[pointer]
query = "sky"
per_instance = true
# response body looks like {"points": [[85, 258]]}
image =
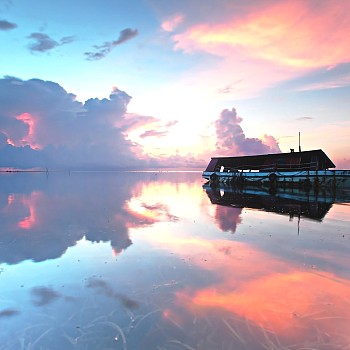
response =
{"points": [[153, 84]]}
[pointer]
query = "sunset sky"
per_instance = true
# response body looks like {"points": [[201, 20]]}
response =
{"points": [[147, 84]]}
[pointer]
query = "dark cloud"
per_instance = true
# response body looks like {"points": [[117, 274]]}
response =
{"points": [[107, 47], [126, 35], [42, 42], [304, 118], [154, 133], [44, 296], [6, 25], [68, 39], [9, 313], [232, 141]]}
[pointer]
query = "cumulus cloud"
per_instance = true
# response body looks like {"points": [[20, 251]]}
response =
{"points": [[42, 42], [42, 125], [272, 143], [103, 50], [46, 125], [6, 25], [231, 140]]}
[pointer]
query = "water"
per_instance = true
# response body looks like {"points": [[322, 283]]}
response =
{"points": [[156, 261]]}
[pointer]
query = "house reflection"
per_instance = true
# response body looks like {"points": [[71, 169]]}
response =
{"points": [[292, 202]]}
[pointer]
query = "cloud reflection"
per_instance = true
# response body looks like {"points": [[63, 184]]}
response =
{"points": [[228, 218], [9, 313], [44, 296], [255, 296], [293, 304], [41, 218], [102, 287]]}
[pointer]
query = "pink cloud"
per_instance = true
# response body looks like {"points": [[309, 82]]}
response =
{"points": [[331, 84], [68, 134], [172, 23], [231, 140], [289, 33], [154, 133], [133, 121], [271, 142], [29, 139], [304, 118]]}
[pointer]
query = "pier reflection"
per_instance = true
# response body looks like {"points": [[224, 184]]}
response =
{"points": [[312, 204]]}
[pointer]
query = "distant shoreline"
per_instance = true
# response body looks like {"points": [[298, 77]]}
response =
{"points": [[104, 171]]}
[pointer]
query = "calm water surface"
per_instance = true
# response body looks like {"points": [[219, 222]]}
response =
{"points": [[157, 261]]}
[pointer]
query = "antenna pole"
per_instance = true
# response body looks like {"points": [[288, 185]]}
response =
{"points": [[299, 143]]}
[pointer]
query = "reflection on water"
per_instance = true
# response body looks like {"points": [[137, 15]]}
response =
{"points": [[148, 261], [293, 202]]}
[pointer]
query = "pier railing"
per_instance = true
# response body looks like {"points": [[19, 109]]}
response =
{"points": [[266, 168]]}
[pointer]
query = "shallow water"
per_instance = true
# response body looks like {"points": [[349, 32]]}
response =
{"points": [[156, 261]]}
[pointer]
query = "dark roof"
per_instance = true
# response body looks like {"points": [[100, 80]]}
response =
{"points": [[259, 159]]}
